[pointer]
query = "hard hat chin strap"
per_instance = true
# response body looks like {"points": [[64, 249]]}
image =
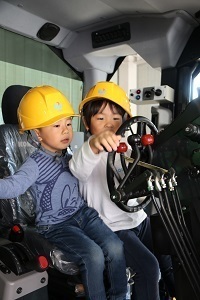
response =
{"points": [[33, 139]]}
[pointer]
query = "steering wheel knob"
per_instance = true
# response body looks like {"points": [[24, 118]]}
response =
{"points": [[122, 148], [147, 139]]}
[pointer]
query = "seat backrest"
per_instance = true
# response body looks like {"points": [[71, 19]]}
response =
{"points": [[10, 101], [14, 149]]}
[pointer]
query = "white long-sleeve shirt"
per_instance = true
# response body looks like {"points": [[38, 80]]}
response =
{"points": [[90, 169]]}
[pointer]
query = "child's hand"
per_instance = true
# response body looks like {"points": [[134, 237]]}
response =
{"points": [[106, 140]]}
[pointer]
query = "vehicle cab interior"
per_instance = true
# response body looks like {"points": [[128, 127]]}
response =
{"points": [[152, 50]]}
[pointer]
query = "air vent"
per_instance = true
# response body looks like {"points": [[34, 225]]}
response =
{"points": [[111, 35]]}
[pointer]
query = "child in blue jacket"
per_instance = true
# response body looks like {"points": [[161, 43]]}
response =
{"points": [[62, 216]]}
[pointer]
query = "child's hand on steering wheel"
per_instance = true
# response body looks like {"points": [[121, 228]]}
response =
{"points": [[106, 140]]}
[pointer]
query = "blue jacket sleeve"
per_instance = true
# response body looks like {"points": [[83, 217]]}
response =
{"points": [[15, 185]]}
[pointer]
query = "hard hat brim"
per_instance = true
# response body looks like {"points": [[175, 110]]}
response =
{"points": [[47, 123]]}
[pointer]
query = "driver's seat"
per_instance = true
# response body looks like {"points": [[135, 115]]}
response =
{"points": [[14, 149]]}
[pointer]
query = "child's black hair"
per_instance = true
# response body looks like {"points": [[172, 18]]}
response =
{"points": [[91, 108]]}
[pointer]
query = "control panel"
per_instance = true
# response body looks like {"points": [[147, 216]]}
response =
{"points": [[152, 94], [19, 275], [14, 286]]}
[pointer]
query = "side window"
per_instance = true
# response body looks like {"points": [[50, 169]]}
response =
{"points": [[27, 62], [196, 87]]}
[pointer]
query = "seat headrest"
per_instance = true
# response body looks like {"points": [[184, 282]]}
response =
{"points": [[10, 102]]}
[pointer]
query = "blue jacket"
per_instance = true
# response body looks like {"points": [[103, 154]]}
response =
{"points": [[54, 188]]}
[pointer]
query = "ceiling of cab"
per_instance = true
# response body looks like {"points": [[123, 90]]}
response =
{"points": [[76, 14], [159, 29]]}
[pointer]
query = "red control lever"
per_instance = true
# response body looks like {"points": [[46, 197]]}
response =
{"points": [[122, 148], [147, 139], [42, 263], [39, 263], [16, 233]]}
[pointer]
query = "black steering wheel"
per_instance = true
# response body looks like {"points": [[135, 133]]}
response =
{"points": [[136, 179]]}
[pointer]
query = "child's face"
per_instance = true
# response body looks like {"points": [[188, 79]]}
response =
{"points": [[56, 137], [105, 119]]}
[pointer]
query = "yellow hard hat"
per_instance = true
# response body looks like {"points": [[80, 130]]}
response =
{"points": [[42, 106], [108, 91]]}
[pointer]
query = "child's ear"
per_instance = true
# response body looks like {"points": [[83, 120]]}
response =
{"points": [[37, 132]]}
